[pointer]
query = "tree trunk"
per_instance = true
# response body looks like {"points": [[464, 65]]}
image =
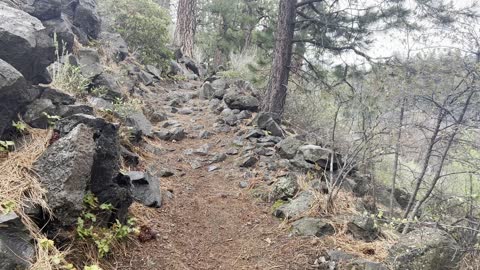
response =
{"points": [[274, 100], [397, 156], [186, 26]]}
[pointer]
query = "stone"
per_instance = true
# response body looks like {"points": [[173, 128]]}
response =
{"points": [[146, 78], [249, 161], [64, 170], [205, 134], [157, 73], [218, 158], [237, 100], [266, 122], [363, 228], [100, 103], [425, 249], [288, 147], [25, 44], [37, 113], [57, 97], [212, 168], [107, 83], [284, 188], [89, 62], [87, 20], [309, 226], [139, 122], [107, 184], [185, 111], [145, 188], [206, 91], [232, 151], [63, 29], [318, 155], [202, 150], [16, 244], [158, 117], [130, 158], [69, 110], [114, 45], [174, 134], [254, 133], [44, 9], [296, 207], [243, 184]]}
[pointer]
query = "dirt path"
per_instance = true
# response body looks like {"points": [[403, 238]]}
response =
{"points": [[210, 222]]}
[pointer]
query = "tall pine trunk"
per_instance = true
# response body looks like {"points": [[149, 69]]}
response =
{"points": [[274, 100], [186, 26]]}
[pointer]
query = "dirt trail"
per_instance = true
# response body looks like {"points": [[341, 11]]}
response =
{"points": [[210, 222]]}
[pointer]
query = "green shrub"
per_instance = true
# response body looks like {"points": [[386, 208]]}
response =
{"points": [[144, 25]]}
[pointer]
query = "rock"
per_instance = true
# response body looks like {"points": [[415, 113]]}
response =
{"points": [[232, 151], [212, 168], [363, 228], [64, 170], [106, 183], [185, 111], [157, 73], [350, 261], [266, 122], [309, 226], [205, 134], [218, 158], [145, 189], [89, 61], [108, 84], [130, 158], [288, 147], [63, 29], [203, 150], [25, 44], [87, 20], [243, 184], [174, 134], [237, 100], [318, 155], [425, 249], [44, 9], [139, 123], [57, 97], [36, 114], [69, 110], [248, 161], [100, 103], [115, 45], [158, 116], [146, 78], [296, 207], [254, 133], [16, 244], [206, 91], [284, 188]]}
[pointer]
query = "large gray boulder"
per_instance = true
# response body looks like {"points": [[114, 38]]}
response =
{"points": [[425, 249], [288, 147], [145, 188], [25, 44], [44, 9], [284, 188], [89, 61], [64, 169], [139, 122], [13, 95], [320, 156], [16, 244], [267, 122], [296, 207], [309, 226], [363, 228], [242, 101], [86, 20], [107, 184]]}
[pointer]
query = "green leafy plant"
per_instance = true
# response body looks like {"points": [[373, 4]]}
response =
{"points": [[20, 126], [124, 107], [6, 146], [102, 237], [144, 25], [51, 118], [7, 207]]}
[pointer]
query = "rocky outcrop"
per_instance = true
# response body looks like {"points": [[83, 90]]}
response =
{"points": [[425, 249], [296, 207], [25, 44], [16, 244], [363, 228], [309, 226], [65, 171], [145, 188]]}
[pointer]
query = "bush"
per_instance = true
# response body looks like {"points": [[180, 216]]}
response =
{"points": [[144, 25]]}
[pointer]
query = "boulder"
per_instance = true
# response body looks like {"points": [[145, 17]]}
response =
{"points": [[206, 91], [238, 100], [425, 249], [13, 95], [86, 20], [174, 134], [25, 44], [44, 9], [288, 147], [156, 72], [350, 261], [266, 122], [284, 188], [248, 161], [61, 27], [309, 226], [57, 97], [145, 77], [16, 244], [145, 188], [64, 170], [115, 45], [108, 84], [139, 122], [37, 113], [296, 207], [69, 110], [106, 183], [363, 228], [89, 61], [318, 155]]}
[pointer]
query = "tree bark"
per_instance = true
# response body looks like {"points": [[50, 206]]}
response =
{"points": [[397, 156], [274, 100], [186, 26]]}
